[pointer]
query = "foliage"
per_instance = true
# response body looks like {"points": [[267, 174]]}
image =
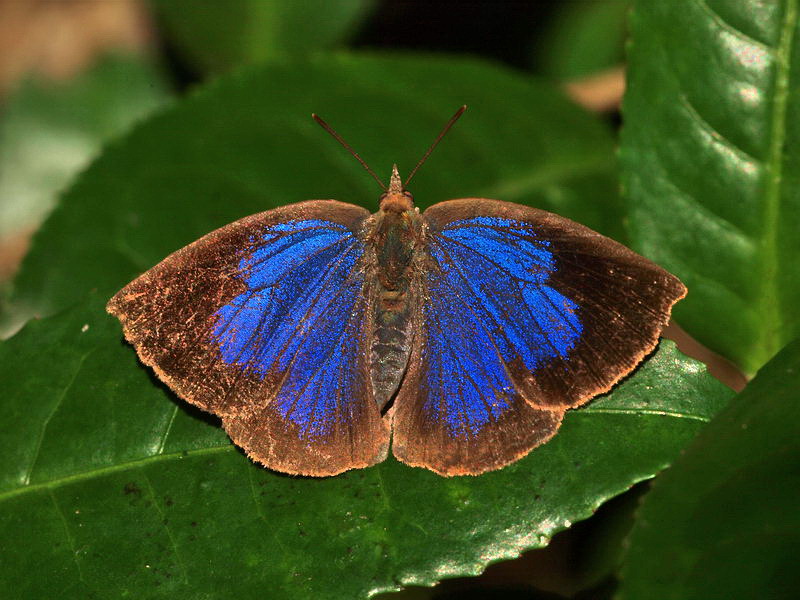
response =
{"points": [[51, 130]]}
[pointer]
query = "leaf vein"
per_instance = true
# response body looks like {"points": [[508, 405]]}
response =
{"points": [[163, 520], [718, 138], [167, 430], [134, 464], [725, 226], [260, 510], [70, 540], [124, 466], [646, 411], [725, 26], [38, 448], [769, 337]]}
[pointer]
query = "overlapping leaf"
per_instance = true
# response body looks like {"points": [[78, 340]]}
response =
{"points": [[723, 521], [584, 38], [217, 36], [711, 168]]}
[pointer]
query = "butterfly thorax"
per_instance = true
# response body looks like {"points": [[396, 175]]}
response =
{"points": [[395, 238]]}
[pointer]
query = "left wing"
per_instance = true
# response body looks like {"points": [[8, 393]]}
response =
{"points": [[525, 314], [265, 322]]}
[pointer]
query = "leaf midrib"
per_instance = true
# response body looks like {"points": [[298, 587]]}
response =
{"points": [[768, 304], [123, 466], [182, 454]]}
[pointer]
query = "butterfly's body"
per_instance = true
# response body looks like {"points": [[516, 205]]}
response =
{"points": [[322, 334], [394, 237]]}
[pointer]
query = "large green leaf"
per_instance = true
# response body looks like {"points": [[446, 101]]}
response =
{"points": [[220, 35], [247, 144], [51, 130], [111, 486], [723, 522], [711, 167]]}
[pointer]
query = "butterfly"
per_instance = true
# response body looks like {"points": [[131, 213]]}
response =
{"points": [[322, 334]]}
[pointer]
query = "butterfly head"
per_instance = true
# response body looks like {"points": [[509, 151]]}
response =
{"points": [[396, 199]]}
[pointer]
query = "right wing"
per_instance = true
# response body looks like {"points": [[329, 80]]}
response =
{"points": [[525, 315]]}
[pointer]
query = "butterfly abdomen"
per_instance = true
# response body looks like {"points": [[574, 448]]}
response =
{"points": [[395, 238], [390, 349]]}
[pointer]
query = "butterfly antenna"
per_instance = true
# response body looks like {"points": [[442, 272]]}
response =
{"points": [[438, 139], [347, 147]]}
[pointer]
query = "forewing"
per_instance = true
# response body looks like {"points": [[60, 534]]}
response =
{"points": [[525, 314], [263, 322]]}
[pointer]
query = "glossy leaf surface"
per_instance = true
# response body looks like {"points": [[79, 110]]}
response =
{"points": [[711, 168], [118, 488], [723, 521]]}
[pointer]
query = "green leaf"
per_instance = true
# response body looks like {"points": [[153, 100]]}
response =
{"points": [[51, 130], [584, 38], [216, 36], [723, 522], [247, 143], [111, 486], [711, 169]]}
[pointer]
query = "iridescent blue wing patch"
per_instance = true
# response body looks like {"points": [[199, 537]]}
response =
{"points": [[525, 315], [302, 286], [275, 344]]}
